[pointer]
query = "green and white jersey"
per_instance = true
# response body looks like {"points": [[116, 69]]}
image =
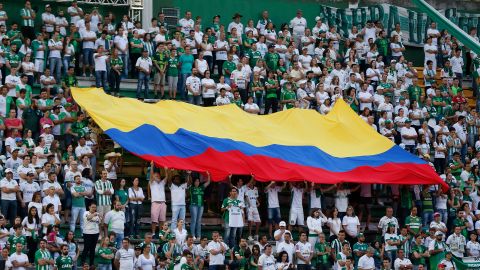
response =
{"points": [[153, 247], [64, 263], [27, 12], [100, 188], [415, 223], [78, 201], [42, 254]]}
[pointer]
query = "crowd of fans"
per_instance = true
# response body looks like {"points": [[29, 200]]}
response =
{"points": [[51, 147]]}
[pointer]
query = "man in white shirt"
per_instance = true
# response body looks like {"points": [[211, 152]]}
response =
{"points": [[266, 260], [88, 38], [365, 97], [236, 24], [402, 263], [298, 25], [144, 67], [178, 192], [75, 12], [115, 221], [303, 252], [433, 32], [457, 64], [286, 245], [222, 99], [187, 23], [217, 250], [158, 209], [19, 259], [9, 189], [48, 19], [11, 82], [387, 219], [194, 86], [366, 262], [124, 256], [461, 134], [457, 242], [409, 136], [100, 58], [121, 44]]}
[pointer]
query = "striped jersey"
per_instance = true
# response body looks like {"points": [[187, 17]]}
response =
{"points": [[100, 188], [42, 254], [28, 13]]}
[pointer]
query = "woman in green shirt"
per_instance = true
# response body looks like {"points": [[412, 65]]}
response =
{"points": [[121, 194], [254, 258], [105, 255], [271, 86], [196, 192]]}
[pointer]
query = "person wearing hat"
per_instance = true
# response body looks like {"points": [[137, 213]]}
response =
{"points": [[360, 249], [9, 188], [236, 24], [388, 130], [186, 22], [437, 249], [447, 263], [409, 136]]}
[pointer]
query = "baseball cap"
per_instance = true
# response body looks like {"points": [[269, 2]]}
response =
{"points": [[18, 139], [439, 233], [46, 126], [408, 121], [282, 224], [30, 174], [436, 214], [360, 235], [8, 170], [318, 18]]}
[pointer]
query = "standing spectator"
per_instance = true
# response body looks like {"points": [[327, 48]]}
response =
{"points": [[304, 253], [186, 62], [273, 205], [28, 16], [121, 44], [88, 42], [136, 48], [79, 192], [194, 88], [157, 197], [100, 60], [437, 249], [9, 199], [91, 232], [267, 261], [43, 258], [115, 222], [178, 193], [160, 61], [116, 69], [135, 198], [186, 22], [232, 209], [144, 67], [401, 262], [75, 12], [105, 255], [196, 191], [48, 19], [298, 25], [104, 191]]}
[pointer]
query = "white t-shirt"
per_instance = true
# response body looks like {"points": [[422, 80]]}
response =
{"points": [[53, 200], [305, 249], [112, 174], [28, 189], [100, 62], [287, 247], [195, 84], [157, 189], [178, 194], [297, 198], [55, 53], [272, 196], [219, 258], [474, 248], [401, 262], [20, 258], [267, 262], [341, 200], [115, 221], [125, 256], [8, 184], [298, 26], [146, 263], [408, 131], [366, 262], [88, 34], [351, 224]]}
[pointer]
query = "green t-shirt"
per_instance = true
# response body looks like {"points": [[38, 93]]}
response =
{"points": [[28, 88], [14, 59], [322, 247], [438, 108], [427, 202], [420, 249], [122, 195], [382, 44], [288, 95], [17, 40], [414, 93], [253, 57], [196, 195], [117, 62], [64, 263], [79, 128], [272, 60], [461, 223], [230, 66], [161, 59], [70, 80], [172, 70], [270, 92], [415, 223], [186, 267], [78, 201], [104, 251], [226, 202], [42, 255], [13, 240], [359, 247], [242, 263], [136, 41]]}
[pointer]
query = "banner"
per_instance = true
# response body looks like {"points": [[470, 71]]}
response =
{"points": [[468, 263], [414, 24]]}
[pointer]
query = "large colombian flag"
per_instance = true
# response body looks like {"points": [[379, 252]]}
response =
{"points": [[290, 145]]}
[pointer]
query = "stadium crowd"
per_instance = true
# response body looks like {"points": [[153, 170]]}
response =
{"points": [[50, 146]]}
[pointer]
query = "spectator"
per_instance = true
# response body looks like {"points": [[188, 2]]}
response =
{"points": [[104, 191], [135, 198], [144, 67]]}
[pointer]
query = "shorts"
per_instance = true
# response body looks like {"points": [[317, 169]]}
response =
{"points": [[39, 65], [159, 212], [159, 78], [253, 214], [103, 210], [274, 215], [88, 57], [296, 217]]}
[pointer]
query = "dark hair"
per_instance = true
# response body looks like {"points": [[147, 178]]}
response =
{"points": [[32, 218], [280, 255]]}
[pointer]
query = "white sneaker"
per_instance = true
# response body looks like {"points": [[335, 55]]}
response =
{"points": [[250, 238], [194, 238]]}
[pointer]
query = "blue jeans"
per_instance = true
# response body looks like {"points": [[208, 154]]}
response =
{"points": [[118, 239], [101, 80], [227, 79], [105, 267], [66, 64], [178, 212], [427, 218], [142, 81], [9, 210], [232, 234], [124, 58], [274, 215], [77, 212], [182, 80], [134, 217], [55, 64], [443, 215], [196, 213], [195, 100], [88, 57]]}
